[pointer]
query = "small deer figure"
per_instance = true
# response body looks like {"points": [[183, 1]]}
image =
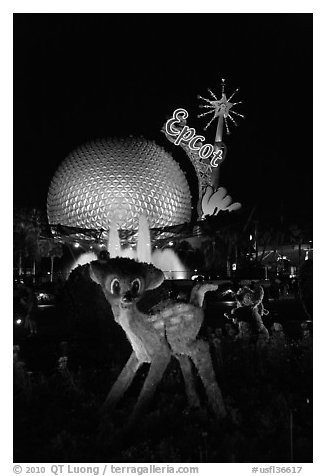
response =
{"points": [[170, 330]]}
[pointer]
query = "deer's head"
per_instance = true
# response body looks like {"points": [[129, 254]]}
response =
{"points": [[124, 280]]}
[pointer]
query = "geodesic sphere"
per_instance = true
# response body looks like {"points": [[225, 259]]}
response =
{"points": [[119, 179]]}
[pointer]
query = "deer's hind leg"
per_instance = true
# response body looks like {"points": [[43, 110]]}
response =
{"points": [[200, 355], [189, 380]]}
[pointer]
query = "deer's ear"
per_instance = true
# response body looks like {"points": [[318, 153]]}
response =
{"points": [[154, 277], [95, 273]]}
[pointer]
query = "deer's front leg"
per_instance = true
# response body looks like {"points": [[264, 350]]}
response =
{"points": [[155, 374], [122, 383]]}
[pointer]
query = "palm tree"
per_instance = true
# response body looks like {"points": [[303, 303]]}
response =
{"points": [[27, 230], [50, 249], [296, 237]]}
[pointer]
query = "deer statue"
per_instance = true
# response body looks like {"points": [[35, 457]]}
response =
{"points": [[170, 329]]}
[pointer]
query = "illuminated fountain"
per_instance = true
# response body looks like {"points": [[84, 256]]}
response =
{"points": [[166, 260], [144, 251], [113, 244]]}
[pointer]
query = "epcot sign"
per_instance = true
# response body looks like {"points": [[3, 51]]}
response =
{"points": [[188, 135]]}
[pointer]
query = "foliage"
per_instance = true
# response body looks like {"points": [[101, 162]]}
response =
{"points": [[57, 414]]}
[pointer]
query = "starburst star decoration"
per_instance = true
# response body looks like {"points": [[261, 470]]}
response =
{"points": [[220, 108]]}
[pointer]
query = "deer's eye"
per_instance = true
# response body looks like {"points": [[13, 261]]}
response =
{"points": [[135, 286], [115, 286]]}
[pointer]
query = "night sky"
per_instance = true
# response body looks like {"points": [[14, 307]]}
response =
{"points": [[82, 76]]}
